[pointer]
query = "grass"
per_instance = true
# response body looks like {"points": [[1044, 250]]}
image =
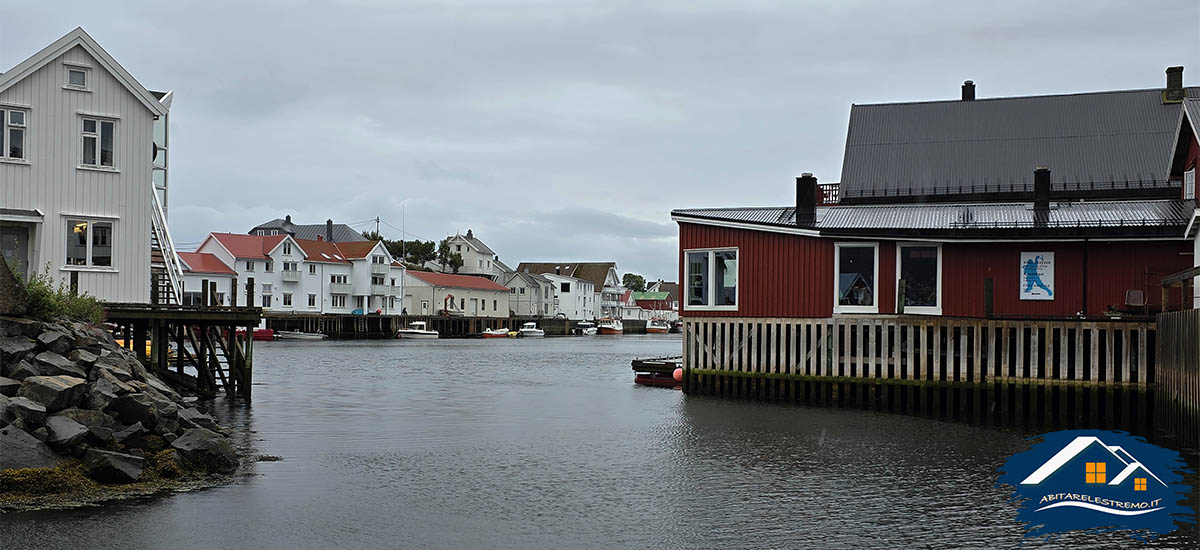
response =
{"points": [[50, 302]]}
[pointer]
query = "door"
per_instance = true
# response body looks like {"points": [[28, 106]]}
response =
{"points": [[14, 247]]}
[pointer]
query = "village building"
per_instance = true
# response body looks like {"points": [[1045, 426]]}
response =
{"points": [[1184, 165], [603, 276], [671, 288], [200, 268], [1041, 207], [656, 304], [478, 259], [82, 177], [530, 294], [431, 293], [576, 298], [328, 231]]}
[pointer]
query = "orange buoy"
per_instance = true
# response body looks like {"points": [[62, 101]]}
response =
{"points": [[679, 375]]}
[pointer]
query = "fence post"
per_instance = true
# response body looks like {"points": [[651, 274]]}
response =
{"points": [[901, 291]]}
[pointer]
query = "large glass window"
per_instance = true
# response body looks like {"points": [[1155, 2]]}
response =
{"points": [[97, 142], [89, 243], [921, 272], [856, 277], [711, 277]]}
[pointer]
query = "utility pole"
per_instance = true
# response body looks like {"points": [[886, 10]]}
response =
{"points": [[376, 225]]}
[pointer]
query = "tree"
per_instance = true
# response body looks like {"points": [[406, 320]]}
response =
{"points": [[456, 261], [634, 282], [443, 253], [419, 252]]}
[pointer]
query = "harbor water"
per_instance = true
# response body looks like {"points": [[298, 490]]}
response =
{"points": [[547, 443]]}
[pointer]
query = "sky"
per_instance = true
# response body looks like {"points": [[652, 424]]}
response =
{"points": [[566, 130]]}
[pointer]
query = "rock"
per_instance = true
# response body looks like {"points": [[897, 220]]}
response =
{"points": [[21, 450], [105, 388], [83, 358], [41, 433], [50, 363], [100, 435], [162, 388], [166, 426], [31, 413], [111, 371], [193, 418], [168, 464], [112, 467], [64, 432], [54, 392], [55, 340], [89, 418], [9, 387], [135, 407], [136, 430], [12, 347], [13, 297], [207, 449], [23, 370], [19, 326], [170, 438]]}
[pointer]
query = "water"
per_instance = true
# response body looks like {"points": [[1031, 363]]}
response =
{"points": [[548, 444]]}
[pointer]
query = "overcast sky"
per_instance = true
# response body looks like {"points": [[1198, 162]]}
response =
{"points": [[567, 129]]}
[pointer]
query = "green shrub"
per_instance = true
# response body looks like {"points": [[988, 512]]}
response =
{"points": [[49, 302]]}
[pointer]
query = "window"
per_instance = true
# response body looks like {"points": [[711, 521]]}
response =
{"points": [[89, 243], [270, 266], [12, 133], [338, 300], [97, 142], [312, 269], [494, 306], [482, 304], [287, 248], [855, 279], [522, 290], [1139, 484], [921, 271], [358, 302], [287, 299], [564, 287], [711, 277], [377, 280], [266, 300], [337, 279], [1095, 472], [77, 78], [312, 300], [249, 265], [266, 288], [290, 266], [1189, 184], [462, 304], [392, 302], [458, 248]]}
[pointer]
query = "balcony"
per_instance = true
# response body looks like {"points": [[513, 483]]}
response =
{"points": [[340, 288], [384, 290], [380, 269], [290, 275]]}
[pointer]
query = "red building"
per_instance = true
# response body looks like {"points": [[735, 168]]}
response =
{"points": [[1057, 206]]}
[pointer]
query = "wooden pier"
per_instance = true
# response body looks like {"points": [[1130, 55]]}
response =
{"points": [[385, 326]]}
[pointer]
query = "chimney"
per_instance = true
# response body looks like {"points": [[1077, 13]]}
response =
{"points": [[329, 230], [1041, 195], [1174, 91], [470, 234], [288, 218], [968, 90], [806, 199]]}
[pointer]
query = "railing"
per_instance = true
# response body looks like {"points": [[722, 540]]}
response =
{"points": [[380, 269], [158, 224], [925, 349], [290, 275], [383, 290], [829, 194], [340, 288]]}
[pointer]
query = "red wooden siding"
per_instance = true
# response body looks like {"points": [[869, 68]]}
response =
{"points": [[784, 275]]}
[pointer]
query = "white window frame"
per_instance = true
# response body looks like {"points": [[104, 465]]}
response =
{"points": [[837, 268], [6, 129], [68, 68], [249, 266], [287, 299], [920, 310], [338, 301], [68, 220], [98, 136], [312, 269], [287, 248], [712, 274], [312, 300], [1189, 184]]}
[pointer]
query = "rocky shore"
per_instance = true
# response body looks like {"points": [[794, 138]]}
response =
{"points": [[82, 419]]}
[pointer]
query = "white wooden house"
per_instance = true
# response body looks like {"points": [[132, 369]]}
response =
{"points": [[478, 258], [576, 298], [530, 294]]}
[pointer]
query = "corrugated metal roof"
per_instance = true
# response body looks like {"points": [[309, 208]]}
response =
{"points": [[1103, 140], [1192, 107], [1092, 214]]}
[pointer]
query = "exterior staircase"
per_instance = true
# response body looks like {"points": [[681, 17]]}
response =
{"points": [[166, 269]]}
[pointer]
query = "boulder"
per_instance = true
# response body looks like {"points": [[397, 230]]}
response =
{"points": [[88, 417], [207, 449], [64, 432], [105, 388], [55, 340], [111, 371], [83, 358], [19, 326], [41, 433], [14, 346], [9, 387], [23, 370], [135, 407], [112, 467], [100, 435], [53, 392], [31, 413], [50, 363], [162, 388], [126, 435], [193, 418], [166, 426], [13, 297], [21, 450]]}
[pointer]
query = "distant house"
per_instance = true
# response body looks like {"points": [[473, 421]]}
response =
{"points": [[199, 267], [659, 305], [428, 293], [670, 288], [576, 298], [478, 259], [530, 294], [328, 231], [603, 276]]}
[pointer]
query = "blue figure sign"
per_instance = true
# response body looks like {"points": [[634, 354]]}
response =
{"points": [[1037, 276]]}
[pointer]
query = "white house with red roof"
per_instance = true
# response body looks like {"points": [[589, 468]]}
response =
{"points": [[430, 293], [201, 267], [305, 276]]}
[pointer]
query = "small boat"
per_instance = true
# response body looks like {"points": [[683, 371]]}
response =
{"points": [[416, 329], [531, 330], [608, 325], [259, 334], [676, 327], [658, 372], [297, 335], [495, 333], [658, 326], [585, 328]]}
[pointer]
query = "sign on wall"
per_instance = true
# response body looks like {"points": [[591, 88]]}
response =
{"points": [[1037, 276]]}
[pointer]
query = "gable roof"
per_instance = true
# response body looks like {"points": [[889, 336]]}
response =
{"points": [[530, 279], [668, 287], [593, 272], [1119, 140], [357, 250], [322, 251], [652, 296], [203, 262], [251, 247], [477, 244], [80, 38], [313, 231], [1191, 109], [457, 281]]}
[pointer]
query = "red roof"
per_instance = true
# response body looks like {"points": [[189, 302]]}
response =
{"points": [[248, 246], [203, 262], [357, 249], [322, 251], [457, 281]]}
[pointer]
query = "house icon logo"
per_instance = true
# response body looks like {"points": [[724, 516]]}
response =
{"points": [[1098, 481]]}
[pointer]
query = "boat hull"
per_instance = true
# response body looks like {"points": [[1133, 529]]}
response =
{"points": [[532, 334], [495, 334], [611, 330], [655, 380], [408, 335], [288, 335], [656, 330]]}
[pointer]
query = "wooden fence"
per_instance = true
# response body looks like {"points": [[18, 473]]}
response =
{"points": [[1177, 401]]}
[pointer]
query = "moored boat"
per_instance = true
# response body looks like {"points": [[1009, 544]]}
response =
{"points": [[658, 326], [495, 333], [297, 335], [584, 328], [658, 372], [531, 330], [259, 334], [676, 327], [608, 325], [416, 330]]}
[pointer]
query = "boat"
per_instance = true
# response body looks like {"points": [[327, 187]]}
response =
{"points": [[584, 328], [259, 334], [297, 335], [658, 372], [495, 333], [676, 327], [608, 325], [531, 330], [658, 326], [416, 329]]}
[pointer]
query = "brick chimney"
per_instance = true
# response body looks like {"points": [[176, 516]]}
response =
{"points": [[1041, 195], [1174, 90], [968, 90], [329, 230], [806, 199]]}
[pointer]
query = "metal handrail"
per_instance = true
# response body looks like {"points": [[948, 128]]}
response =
{"points": [[158, 223]]}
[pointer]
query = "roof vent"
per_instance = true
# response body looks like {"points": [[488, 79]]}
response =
{"points": [[1174, 91], [968, 90]]}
